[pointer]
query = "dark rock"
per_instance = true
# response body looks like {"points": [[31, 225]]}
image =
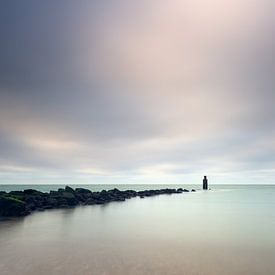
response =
{"points": [[120, 199], [193, 190], [70, 198], [16, 193], [30, 207], [51, 201], [82, 191], [63, 206], [100, 201], [19, 195], [32, 192], [69, 189], [82, 197], [55, 194], [18, 203], [10, 207], [90, 201], [38, 203], [61, 201], [30, 199], [48, 207]]}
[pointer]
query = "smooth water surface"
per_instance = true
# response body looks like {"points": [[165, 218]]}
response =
{"points": [[228, 230]]}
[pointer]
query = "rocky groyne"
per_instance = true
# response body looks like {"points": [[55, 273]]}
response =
{"points": [[21, 203]]}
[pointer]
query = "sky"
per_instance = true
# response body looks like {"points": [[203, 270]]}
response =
{"points": [[148, 91]]}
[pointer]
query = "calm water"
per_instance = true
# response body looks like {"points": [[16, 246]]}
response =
{"points": [[228, 230]]}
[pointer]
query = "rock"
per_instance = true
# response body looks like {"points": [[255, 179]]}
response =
{"points": [[51, 202], [70, 198], [69, 189], [48, 207], [61, 203], [11, 207], [54, 194], [17, 195], [90, 201], [120, 199], [193, 190], [82, 191], [32, 192], [82, 197], [131, 193], [63, 206], [18, 203], [30, 207], [30, 199]]}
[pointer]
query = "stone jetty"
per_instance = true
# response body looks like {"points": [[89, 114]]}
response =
{"points": [[22, 203]]}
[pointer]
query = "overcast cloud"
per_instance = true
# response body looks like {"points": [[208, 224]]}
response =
{"points": [[137, 91]]}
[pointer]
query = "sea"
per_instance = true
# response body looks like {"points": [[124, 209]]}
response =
{"points": [[228, 230]]}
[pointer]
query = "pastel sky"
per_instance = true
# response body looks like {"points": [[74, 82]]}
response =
{"points": [[147, 91]]}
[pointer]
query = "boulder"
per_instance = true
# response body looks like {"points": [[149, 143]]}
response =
{"points": [[32, 192], [69, 189], [51, 202], [17, 195], [70, 198], [11, 207], [90, 201], [62, 203], [82, 191]]}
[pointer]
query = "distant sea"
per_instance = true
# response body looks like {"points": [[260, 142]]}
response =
{"points": [[229, 230], [92, 187], [137, 187]]}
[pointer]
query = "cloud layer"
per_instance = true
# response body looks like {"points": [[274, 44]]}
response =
{"points": [[137, 91]]}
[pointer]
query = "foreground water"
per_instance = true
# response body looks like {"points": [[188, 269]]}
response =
{"points": [[228, 230]]}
